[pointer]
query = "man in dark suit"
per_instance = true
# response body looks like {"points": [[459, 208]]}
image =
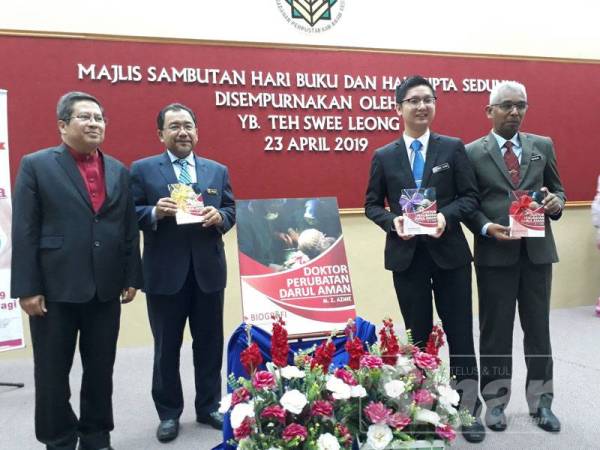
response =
{"points": [[184, 266], [75, 251], [441, 262], [513, 271]]}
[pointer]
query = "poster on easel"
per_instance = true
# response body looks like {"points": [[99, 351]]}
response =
{"points": [[293, 265], [11, 325]]}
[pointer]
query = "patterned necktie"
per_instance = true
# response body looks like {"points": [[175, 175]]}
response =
{"points": [[184, 175], [418, 162], [512, 163]]}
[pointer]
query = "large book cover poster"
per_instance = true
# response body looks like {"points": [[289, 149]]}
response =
{"points": [[293, 264]]}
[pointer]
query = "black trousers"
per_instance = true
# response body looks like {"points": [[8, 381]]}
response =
{"points": [[453, 302], [54, 337], [168, 315], [501, 289]]}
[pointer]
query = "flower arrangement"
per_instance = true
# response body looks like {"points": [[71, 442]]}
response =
{"points": [[387, 395]]}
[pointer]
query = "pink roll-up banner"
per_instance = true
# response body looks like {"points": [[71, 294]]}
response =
{"points": [[11, 324]]}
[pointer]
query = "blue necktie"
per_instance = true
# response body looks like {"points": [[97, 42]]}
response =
{"points": [[418, 162], [184, 175]]}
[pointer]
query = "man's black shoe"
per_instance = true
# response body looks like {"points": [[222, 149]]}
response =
{"points": [[546, 420], [214, 419], [475, 432], [167, 430], [495, 419]]}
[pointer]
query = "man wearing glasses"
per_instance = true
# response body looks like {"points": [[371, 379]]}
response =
{"points": [[440, 262], [75, 252], [514, 271], [184, 267]]}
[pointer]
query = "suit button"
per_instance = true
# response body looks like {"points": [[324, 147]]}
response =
{"points": [[96, 220], [96, 243]]}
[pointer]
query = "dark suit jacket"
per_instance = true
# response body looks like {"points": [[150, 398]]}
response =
{"points": [[538, 168], [168, 247], [456, 193], [61, 248]]}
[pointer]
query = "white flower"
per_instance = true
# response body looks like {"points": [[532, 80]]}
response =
{"points": [[379, 436], [340, 390], [358, 391], [427, 416], [394, 388], [328, 441], [404, 364], [289, 372], [240, 412], [225, 404], [294, 401], [448, 396]]}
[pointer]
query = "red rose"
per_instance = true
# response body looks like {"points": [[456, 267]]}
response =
{"points": [[263, 379], [294, 430], [435, 341], [423, 397], [239, 395], [389, 343], [321, 408], [323, 356], [346, 377], [244, 430], [354, 348], [377, 412], [274, 412], [398, 421], [344, 433], [251, 358], [426, 361], [371, 361], [446, 432], [279, 343]]}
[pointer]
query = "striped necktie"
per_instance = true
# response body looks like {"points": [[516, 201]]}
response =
{"points": [[512, 163], [418, 162], [184, 175]]}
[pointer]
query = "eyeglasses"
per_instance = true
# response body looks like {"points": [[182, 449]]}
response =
{"points": [[89, 117], [175, 127], [416, 101], [508, 106]]}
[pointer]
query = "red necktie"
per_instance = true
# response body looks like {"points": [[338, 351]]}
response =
{"points": [[512, 163]]}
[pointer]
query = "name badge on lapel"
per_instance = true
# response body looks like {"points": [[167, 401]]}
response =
{"points": [[212, 191], [535, 157], [440, 168]]}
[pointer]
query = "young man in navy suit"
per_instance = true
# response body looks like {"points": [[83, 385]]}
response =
{"points": [[441, 262], [184, 266]]}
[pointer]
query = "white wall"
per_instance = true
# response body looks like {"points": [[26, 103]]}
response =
{"points": [[512, 27]]}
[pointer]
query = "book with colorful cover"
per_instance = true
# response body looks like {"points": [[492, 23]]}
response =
{"points": [[526, 214], [189, 203], [419, 209]]}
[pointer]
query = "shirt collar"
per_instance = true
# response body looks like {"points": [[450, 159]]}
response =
{"points": [[83, 157], [189, 158], [424, 139], [501, 141]]}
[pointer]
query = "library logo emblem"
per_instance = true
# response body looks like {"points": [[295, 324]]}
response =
{"points": [[311, 16]]}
